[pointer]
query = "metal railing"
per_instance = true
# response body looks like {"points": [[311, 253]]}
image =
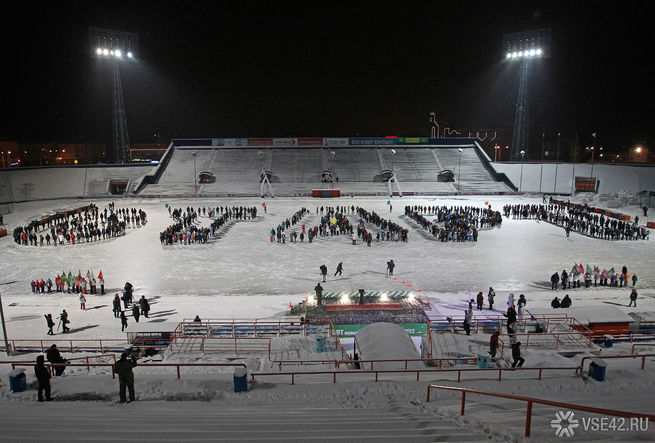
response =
{"points": [[642, 356], [418, 372], [239, 345], [15, 364], [76, 345], [531, 400], [641, 345]]}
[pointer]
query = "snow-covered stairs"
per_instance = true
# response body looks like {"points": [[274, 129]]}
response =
{"points": [[202, 421]]}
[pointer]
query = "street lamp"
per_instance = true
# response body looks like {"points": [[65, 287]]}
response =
{"points": [[521, 179], [114, 45], [459, 171], [524, 47], [194, 154]]}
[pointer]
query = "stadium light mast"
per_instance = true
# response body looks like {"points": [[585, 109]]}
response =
{"points": [[117, 47], [524, 47]]}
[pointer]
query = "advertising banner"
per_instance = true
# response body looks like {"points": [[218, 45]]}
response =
{"points": [[310, 141], [285, 142], [372, 141], [412, 140], [218, 142], [414, 329], [336, 141], [260, 142]]}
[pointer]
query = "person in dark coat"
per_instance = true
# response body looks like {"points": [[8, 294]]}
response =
{"points": [[63, 317], [117, 305], [126, 299], [390, 266], [51, 323], [566, 302], [490, 298], [633, 298], [135, 312], [197, 319], [555, 303], [323, 269], [319, 293], [145, 306], [554, 280], [339, 269], [516, 355], [123, 321], [43, 376], [480, 300], [493, 343], [123, 368], [54, 357], [511, 318]]}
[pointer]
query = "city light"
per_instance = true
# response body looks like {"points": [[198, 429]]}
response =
{"points": [[638, 149], [528, 53]]}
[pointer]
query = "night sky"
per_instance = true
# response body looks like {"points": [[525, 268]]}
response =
{"points": [[247, 68]]}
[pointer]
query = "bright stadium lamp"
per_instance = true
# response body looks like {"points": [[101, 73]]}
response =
{"points": [[524, 46], [106, 42]]}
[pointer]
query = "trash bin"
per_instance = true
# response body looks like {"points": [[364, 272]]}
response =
{"points": [[597, 369], [608, 341], [321, 343], [17, 381], [483, 361], [240, 380]]}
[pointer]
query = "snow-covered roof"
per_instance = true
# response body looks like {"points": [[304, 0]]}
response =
{"points": [[165, 326], [648, 316], [382, 341], [599, 314]]}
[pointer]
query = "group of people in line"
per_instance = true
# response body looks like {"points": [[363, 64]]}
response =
{"points": [[581, 219], [454, 223], [84, 224], [609, 278], [185, 231], [69, 283]]}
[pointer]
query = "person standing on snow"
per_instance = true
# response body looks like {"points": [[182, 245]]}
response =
{"points": [[339, 269], [123, 368], [63, 318], [323, 269], [468, 317], [633, 298], [480, 300], [135, 312], [516, 355], [554, 280], [82, 302], [123, 321], [319, 293], [493, 343], [510, 299], [51, 324], [117, 305], [390, 266], [43, 376], [490, 298]]}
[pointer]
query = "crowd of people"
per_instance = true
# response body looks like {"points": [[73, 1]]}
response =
{"points": [[579, 274], [186, 230], [84, 224], [454, 223], [69, 283], [581, 219]]}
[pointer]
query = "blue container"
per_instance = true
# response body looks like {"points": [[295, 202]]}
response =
{"points": [[321, 344], [240, 380], [483, 361], [597, 369], [17, 380], [463, 362]]}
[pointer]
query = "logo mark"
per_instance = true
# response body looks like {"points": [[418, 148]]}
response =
{"points": [[564, 423]]}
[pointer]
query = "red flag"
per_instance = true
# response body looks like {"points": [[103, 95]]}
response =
{"points": [[264, 204], [100, 275]]}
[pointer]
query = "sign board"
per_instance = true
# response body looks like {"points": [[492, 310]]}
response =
{"points": [[316, 141], [414, 329], [336, 142], [260, 142], [372, 141], [285, 142], [586, 184]]}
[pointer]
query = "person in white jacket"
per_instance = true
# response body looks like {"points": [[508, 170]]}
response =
{"points": [[82, 302]]}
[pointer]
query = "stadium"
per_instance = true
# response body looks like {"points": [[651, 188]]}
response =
{"points": [[267, 264]]}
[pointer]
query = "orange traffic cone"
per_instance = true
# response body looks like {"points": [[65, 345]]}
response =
{"points": [[290, 305], [419, 289], [409, 283], [403, 281], [419, 298], [428, 302], [395, 277]]}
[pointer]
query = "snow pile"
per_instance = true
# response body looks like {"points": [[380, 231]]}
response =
{"points": [[614, 200], [386, 341]]}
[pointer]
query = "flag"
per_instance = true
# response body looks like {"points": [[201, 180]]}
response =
{"points": [[580, 269], [388, 202], [70, 278], [574, 270], [334, 220], [88, 275], [100, 275], [486, 203], [264, 204], [589, 270], [611, 271]]}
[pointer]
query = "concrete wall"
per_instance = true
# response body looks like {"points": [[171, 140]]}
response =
{"points": [[560, 177]]}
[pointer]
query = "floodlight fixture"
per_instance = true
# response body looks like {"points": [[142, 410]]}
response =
{"points": [[129, 54], [527, 44], [113, 42], [118, 53]]}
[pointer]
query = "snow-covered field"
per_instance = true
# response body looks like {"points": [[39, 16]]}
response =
{"points": [[243, 275]]}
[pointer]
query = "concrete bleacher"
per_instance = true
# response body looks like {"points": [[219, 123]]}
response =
{"points": [[296, 170]]}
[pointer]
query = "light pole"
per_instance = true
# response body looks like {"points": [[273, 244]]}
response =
{"points": [[459, 171], [521, 179], [523, 47], [116, 46], [4, 328], [194, 154]]}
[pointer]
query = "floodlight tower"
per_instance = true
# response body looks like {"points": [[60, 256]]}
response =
{"points": [[117, 47], [524, 47]]}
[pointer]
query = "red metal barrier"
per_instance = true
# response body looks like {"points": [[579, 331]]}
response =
{"points": [[531, 400], [642, 356]]}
